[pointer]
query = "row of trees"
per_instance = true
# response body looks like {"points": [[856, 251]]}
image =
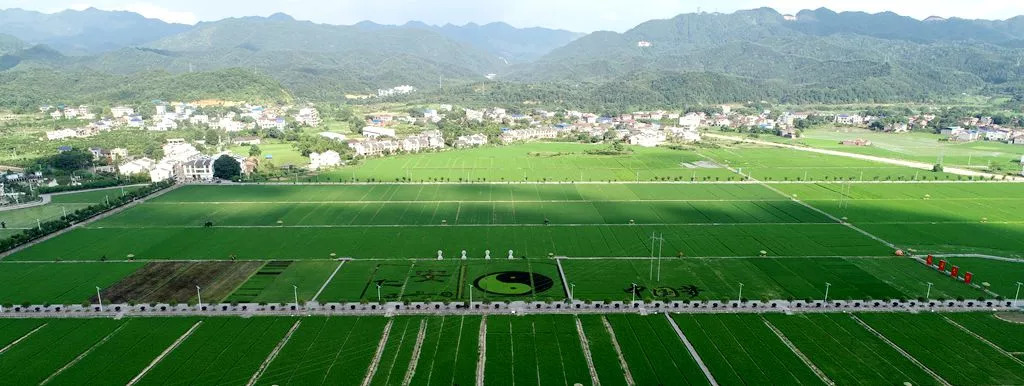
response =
{"points": [[79, 215]]}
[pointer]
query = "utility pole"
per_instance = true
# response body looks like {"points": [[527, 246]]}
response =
{"points": [[661, 244], [650, 276]]}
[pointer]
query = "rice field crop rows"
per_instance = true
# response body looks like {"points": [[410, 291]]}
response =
{"points": [[955, 355], [1003, 330], [326, 351], [740, 349], [846, 352], [223, 351], [532, 162], [761, 278], [449, 352], [653, 351], [51, 283], [541, 349]]}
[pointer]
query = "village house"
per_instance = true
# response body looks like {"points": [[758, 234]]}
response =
{"points": [[308, 116], [471, 140], [846, 119], [373, 147], [374, 132], [683, 135], [61, 134], [134, 167], [247, 141], [648, 138], [121, 111], [197, 169], [528, 134], [333, 136]]}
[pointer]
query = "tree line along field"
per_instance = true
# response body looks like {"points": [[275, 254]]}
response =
{"points": [[536, 349], [534, 162], [938, 218], [17, 219]]}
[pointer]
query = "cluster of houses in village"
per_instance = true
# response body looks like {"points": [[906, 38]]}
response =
{"points": [[181, 162], [969, 129], [170, 116]]}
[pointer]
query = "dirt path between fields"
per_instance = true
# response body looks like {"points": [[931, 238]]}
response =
{"points": [[585, 343], [378, 354], [799, 354], [618, 352], [481, 360], [273, 354], [416, 350]]}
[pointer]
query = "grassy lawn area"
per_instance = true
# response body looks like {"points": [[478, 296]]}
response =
{"points": [[64, 283], [281, 153]]}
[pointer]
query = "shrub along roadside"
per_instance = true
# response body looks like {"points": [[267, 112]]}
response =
{"points": [[78, 216]]}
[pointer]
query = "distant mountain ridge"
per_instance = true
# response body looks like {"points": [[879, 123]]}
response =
{"points": [[85, 32], [812, 56]]}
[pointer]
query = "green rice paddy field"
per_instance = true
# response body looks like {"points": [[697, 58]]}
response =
{"points": [[536, 349], [533, 162]]}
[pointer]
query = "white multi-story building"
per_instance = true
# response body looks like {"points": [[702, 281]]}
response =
{"points": [[471, 140], [528, 134], [122, 111], [308, 116], [196, 169], [374, 147], [326, 159], [376, 132], [61, 134], [648, 138]]}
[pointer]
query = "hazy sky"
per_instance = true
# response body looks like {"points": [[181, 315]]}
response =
{"points": [[576, 15]]}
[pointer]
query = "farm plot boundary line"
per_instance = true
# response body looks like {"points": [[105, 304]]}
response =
{"points": [[416, 350], [357, 202], [22, 338], [618, 352], [82, 355], [799, 354], [902, 352], [329, 278], [585, 344], [273, 354], [423, 259], [692, 350], [811, 207], [165, 353], [372, 370], [481, 360], [983, 340], [557, 225]]}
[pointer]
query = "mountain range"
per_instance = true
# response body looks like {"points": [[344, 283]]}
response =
{"points": [[813, 56]]}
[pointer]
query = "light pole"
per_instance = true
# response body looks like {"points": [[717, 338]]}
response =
{"points": [[65, 212], [928, 295], [739, 298], [470, 294], [1017, 295], [378, 292], [295, 291], [199, 295], [572, 288], [827, 285], [633, 292], [99, 299], [661, 244]]}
